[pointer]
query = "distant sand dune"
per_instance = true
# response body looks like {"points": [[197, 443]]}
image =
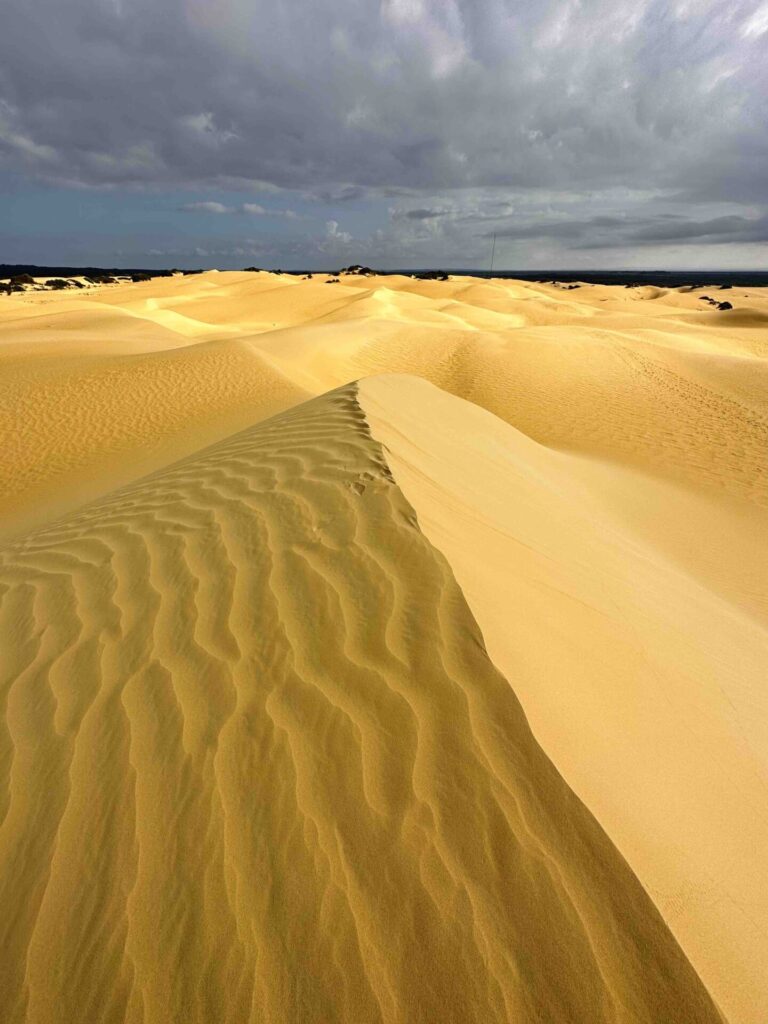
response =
{"points": [[587, 370], [255, 763], [257, 766]]}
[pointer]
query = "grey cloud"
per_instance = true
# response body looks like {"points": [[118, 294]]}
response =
{"points": [[421, 213], [604, 231], [729, 228], [349, 96], [555, 229], [460, 119]]}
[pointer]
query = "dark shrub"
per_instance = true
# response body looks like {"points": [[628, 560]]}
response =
{"points": [[356, 268], [432, 275]]}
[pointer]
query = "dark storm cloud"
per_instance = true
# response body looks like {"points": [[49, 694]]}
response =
{"points": [[612, 232], [556, 229], [723, 229], [348, 101], [408, 93], [421, 213]]}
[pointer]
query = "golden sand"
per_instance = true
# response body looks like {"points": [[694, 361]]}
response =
{"points": [[255, 762]]}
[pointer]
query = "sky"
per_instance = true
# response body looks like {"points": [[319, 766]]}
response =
{"points": [[583, 134]]}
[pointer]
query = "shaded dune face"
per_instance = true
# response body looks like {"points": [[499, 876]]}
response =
{"points": [[255, 765]]}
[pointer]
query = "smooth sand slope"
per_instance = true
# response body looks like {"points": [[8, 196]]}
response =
{"points": [[257, 766], [646, 685], [601, 504]]}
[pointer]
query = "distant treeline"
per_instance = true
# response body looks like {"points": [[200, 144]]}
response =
{"points": [[628, 278], [16, 269]]}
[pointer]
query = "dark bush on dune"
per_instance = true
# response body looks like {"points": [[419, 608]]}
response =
{"points": [[23, 279], [149, 275], [724, 305], [75, 284], [187, 273], [251, 270], [57, 284], [431, 275], [358, 269]]}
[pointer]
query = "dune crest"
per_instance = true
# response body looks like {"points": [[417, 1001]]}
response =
{"points": [[256, 765]]}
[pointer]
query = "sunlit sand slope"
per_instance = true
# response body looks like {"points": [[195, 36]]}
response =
{"points": [[257, 766], [629, 615]]}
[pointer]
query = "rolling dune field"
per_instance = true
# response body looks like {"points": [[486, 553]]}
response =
{"points": [[383, 650]]}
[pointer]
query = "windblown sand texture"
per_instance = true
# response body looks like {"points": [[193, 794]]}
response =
{"points": [[437, 697]]}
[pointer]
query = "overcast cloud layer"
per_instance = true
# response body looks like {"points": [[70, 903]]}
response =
{"points": [[397, 132]]}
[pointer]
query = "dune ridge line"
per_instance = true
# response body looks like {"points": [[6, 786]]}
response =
{"points": [[258, 766]]}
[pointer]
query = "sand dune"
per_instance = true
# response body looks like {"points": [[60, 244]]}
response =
{"points": [[639, 660], [260, 767], [565, 367], [256, 763]]}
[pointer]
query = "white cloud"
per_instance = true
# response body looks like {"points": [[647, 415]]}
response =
{"points": [[257, 210], [332, 232], [208, 207], [757, 24], [252, 209]]}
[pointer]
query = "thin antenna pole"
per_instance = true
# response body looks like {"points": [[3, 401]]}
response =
{"points": [[493, 250]]}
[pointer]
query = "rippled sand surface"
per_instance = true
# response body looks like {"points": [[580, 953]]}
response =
{"points": [[439, 696]]}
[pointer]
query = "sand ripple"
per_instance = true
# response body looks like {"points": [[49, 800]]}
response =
{"points": [[255, 765]]}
